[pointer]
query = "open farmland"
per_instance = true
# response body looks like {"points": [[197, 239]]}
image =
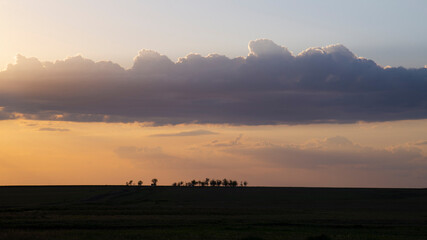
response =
{"points": [[120, 212]]}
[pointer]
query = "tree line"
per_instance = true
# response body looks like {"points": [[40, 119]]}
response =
{"points": [[197, 183], [211, 182], [140, 182]]}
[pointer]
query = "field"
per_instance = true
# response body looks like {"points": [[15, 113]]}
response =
{"points": [[250, 213]]}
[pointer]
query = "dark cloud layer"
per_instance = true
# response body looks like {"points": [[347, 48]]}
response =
{"points": [[269, 86]]}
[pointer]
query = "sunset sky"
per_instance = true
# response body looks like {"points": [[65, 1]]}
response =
{"points": [[277, 93]]}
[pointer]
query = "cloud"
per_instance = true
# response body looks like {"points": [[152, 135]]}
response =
{"points": [[270, 86], [156, 157], [216, 143], [140, 153], [267, 48], [54, 129], [185, 134], [334, 152], [420, 143], [5, 115]]}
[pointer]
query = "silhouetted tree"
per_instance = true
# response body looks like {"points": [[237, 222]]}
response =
{"points": [[245, 183], [129, 183], [213, 183], [193, 183], [218, 183], [207, 181], [233, 183], [225, 182], [154, 182], [140, 183]]}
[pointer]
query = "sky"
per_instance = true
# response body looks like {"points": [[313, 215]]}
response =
{"points": [[389, 31], [277, 93]]}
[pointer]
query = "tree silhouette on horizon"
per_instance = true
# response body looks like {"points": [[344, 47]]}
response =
{"points": [[154, 182], [210, 182]]}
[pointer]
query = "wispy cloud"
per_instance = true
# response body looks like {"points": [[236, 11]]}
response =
{"points": [[54, 129], [140, 153], [334, 152], [156, 157], [185, 133], [421, 143], [234, 142]]}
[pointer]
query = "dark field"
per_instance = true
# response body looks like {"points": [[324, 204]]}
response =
{"points": [[251, 213]]}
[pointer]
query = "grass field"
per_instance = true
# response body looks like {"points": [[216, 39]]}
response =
{"points": [[251, 213]]}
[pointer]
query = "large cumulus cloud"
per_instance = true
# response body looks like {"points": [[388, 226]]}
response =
{"points": [[269, 86]]}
